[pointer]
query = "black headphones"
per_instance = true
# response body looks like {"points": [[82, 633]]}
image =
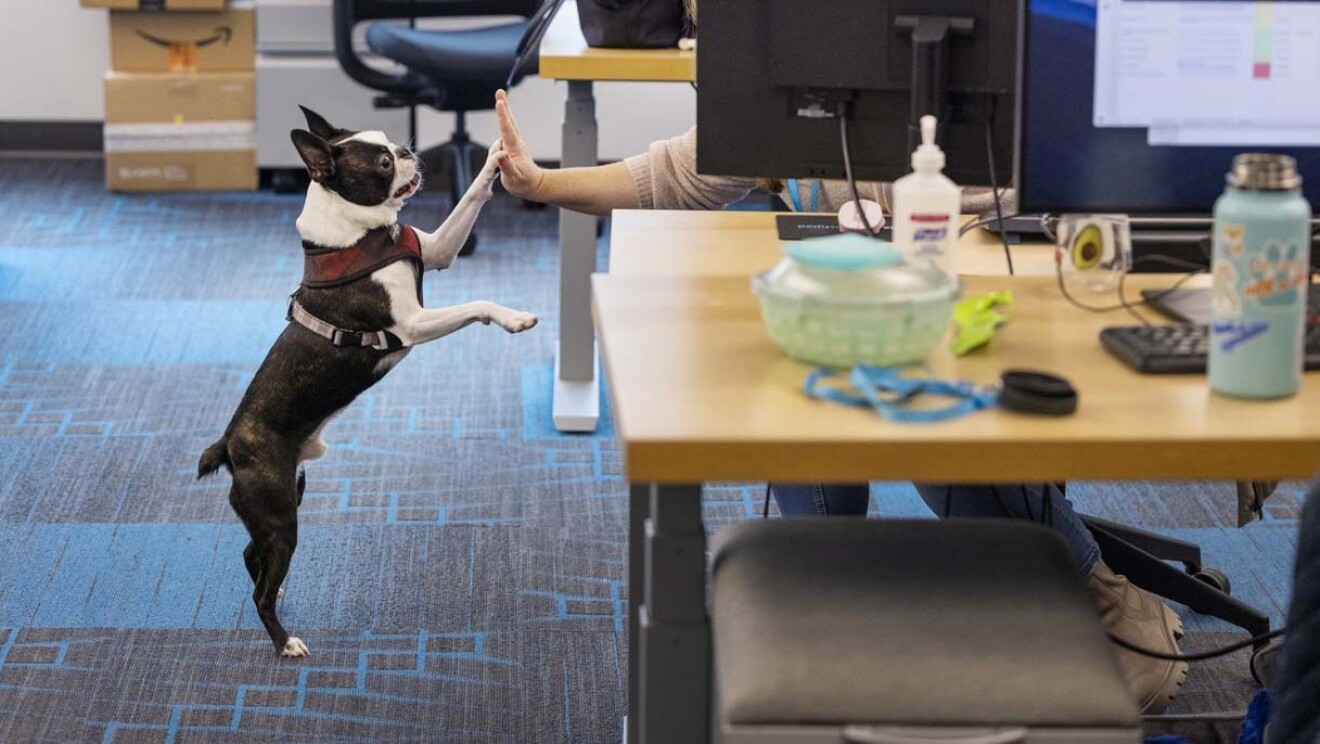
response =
{"points": [[1037, 393]]}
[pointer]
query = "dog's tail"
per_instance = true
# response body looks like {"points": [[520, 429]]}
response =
{"points": [[214, 456]]}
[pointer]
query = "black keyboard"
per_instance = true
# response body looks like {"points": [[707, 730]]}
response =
{"points": [[1177, 349]]}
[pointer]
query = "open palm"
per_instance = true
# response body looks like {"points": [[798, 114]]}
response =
{"points": [[520, 174]]}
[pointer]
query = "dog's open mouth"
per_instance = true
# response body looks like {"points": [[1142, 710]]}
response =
{"points": [[408, 188]]}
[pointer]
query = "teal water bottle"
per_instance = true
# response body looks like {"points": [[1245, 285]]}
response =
{"points": [[1262, 259]]}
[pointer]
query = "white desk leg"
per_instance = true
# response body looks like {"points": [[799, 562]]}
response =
{"points": [[577, 386]]}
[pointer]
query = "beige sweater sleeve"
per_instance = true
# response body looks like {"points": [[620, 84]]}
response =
{"points": [[666, 177]]}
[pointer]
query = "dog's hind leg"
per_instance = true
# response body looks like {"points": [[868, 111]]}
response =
{"points": [[254, 566], [265, 497], [250, 560]]}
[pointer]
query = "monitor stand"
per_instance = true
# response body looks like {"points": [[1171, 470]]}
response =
{"points": [[930, 68]]}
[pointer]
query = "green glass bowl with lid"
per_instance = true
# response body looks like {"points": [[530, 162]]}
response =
{"points": [[847, 299]]}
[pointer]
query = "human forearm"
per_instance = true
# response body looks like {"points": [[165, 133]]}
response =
{"points": [[593, 190]]}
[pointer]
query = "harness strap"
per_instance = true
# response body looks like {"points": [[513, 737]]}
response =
{"points": [[341, 337]]}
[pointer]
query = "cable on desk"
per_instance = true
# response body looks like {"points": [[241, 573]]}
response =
{"points": [[1194, 269], [970, 226], [847, 170], [994, 184]]}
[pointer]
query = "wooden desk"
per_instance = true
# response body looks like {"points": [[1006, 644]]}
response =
{"points": [[566, 56], [700, 393]]}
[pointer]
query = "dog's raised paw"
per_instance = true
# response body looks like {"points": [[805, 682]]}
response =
{"points": [[519, 322], [294, 648]]}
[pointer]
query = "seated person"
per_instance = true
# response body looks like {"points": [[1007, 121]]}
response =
{"points": [[665, 177]]}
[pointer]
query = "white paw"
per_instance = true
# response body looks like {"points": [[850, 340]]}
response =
{"points": [[518, 322], [280, 593], [294, 648]]}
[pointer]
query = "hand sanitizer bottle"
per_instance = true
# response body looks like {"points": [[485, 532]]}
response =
{"points": [[927, 207]]}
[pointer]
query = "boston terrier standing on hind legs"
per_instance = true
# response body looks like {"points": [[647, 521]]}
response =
{"points": [[357, 314]]}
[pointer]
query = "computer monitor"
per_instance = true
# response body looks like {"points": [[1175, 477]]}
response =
{"points": [[773, 75], [1138, 107]]}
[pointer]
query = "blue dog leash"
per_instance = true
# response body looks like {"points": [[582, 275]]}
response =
{"points": [[887, 391], [890, 394]]}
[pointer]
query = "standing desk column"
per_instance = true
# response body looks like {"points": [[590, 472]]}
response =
{"points": [[577, 386]]}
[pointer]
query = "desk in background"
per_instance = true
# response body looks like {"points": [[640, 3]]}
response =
{"points": [[689, 243], [566, 56], [700, 393]]}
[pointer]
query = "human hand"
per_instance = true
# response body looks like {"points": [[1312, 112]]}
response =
{"points": [[520, 174]]}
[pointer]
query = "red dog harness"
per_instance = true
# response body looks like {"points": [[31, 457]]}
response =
{"points": [[333, 267]]}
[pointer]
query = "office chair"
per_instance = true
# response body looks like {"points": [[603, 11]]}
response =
{"points": [[452, 71]]}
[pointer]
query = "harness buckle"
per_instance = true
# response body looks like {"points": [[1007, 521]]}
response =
{"points": [[342, 337]]}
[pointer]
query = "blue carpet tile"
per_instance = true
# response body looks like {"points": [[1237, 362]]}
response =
{"points": [[460, 573]]}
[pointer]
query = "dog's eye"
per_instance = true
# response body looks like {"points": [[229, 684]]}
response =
{"points": [[386, 162]]}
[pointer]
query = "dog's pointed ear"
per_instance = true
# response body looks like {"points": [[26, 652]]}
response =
{"points": [[319, 126], [315, 153]]}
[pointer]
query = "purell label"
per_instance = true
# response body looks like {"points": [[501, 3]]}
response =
{"points": [[928, 233]]}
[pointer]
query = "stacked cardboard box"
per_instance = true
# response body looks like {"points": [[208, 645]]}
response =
{"points": [[180, 96]]}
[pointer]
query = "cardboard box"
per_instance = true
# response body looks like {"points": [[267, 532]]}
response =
{"points": [[180, 131], [183, 42], [155, 5], [181, 171]]}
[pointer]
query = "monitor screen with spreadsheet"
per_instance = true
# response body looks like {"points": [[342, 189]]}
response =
{"points": [[1139, 105]]}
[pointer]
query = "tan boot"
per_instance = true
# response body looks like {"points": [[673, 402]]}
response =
{"points": [[1138, 617]]}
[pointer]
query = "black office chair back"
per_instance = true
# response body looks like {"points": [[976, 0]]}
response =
{"points": [[530, 42], [349, 13]]}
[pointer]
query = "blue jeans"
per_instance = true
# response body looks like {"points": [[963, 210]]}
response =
{"points": [[1017, 501]]}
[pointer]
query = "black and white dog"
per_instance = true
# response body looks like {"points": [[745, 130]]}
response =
{"points": [[355, 316]]}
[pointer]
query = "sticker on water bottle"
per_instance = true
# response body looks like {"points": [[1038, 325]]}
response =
{"points": [[1279, 273], [1226, 297], [1231, 335]]}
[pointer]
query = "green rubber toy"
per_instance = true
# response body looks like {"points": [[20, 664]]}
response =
{"points": [[978, 320]]}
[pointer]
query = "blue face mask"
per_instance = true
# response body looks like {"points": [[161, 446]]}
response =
{"points": [[890, 394]]}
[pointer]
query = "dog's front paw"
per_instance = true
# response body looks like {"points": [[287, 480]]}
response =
{"points": [[294, 648], [516, 322]]}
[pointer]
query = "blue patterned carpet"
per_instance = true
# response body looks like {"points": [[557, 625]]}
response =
{"points": [[460, 570]]}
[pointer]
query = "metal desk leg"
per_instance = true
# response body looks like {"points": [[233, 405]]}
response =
{"points": [[577, 387], [674, 667], [639, 508]]}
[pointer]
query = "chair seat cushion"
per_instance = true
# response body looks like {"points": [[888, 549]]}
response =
{"points": [[481, 55], [924, 623]]}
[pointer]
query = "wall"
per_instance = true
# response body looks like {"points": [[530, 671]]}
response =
{"points": [[54, 60]]}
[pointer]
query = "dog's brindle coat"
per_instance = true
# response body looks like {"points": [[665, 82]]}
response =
{"points": [[359, 183]]}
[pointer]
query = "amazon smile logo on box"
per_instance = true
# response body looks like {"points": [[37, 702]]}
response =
{"points": [[183, 42]]}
